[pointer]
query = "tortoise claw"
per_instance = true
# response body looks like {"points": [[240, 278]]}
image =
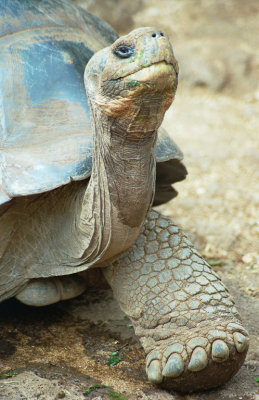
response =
{"points": [[174, 366], [199, 360], [240, 341], [154, 372], [220, 351]]}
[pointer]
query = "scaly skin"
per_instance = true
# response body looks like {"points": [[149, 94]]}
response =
{"points": [[182, 312]]}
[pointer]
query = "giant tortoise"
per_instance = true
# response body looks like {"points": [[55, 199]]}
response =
{"points": [[80, 169]]}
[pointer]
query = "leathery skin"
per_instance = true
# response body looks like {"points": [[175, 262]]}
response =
{"points": [[183, 314]]}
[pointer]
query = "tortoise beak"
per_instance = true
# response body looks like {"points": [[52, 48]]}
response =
{"points": [[160, 76]]}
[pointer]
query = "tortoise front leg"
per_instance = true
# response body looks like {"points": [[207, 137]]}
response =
{"points": [[183, 314]]}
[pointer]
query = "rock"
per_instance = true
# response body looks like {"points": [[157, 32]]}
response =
{"points": [[119, 14], [198, 67]]}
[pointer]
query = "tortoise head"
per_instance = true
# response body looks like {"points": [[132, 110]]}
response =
{"points": [[134, 80]]}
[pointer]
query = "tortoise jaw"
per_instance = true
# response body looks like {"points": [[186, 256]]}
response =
{"points": [[160, 75], [155, 83]]}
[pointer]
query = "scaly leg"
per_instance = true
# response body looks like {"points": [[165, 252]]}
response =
{"points": [[183, 314]]}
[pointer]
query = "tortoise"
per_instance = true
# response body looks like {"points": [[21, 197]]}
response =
{"points": [[81, 168]]}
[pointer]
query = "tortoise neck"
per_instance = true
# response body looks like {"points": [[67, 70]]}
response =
{"points": [[129, 162], [121, 187]]}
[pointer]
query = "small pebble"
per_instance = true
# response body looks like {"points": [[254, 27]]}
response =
{"points": [[61, 395]]}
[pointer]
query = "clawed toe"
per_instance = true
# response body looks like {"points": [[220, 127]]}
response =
{"points": [[154, 372], [199, 360], [240, 341], [201, 364], [220, 351], [174, 366]]}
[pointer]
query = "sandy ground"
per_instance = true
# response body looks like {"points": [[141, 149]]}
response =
{"points": [[62, 350]]}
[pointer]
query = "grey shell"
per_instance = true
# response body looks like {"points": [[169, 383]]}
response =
{"points": [[45, 132]]}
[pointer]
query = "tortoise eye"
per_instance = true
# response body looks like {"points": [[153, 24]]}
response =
{"points": [[124, 51]]}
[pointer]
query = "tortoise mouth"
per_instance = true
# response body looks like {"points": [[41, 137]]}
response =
{"points": [[159, 66], [152, 71], [157, 77]]}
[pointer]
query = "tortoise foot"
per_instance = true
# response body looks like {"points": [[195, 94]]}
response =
{"points": [[42, 292], [183, 314], [197, 359]]}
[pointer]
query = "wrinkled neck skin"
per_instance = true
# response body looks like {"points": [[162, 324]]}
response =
{"points": [[129, 85], [121, 187]]}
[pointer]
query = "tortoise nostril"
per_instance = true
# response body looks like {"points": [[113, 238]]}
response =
{"points": [[157, 34]]}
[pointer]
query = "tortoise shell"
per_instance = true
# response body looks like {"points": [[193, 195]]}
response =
{"points": [[45, 132]]}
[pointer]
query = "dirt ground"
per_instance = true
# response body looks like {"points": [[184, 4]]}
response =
{"points": [[62, 351]]}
